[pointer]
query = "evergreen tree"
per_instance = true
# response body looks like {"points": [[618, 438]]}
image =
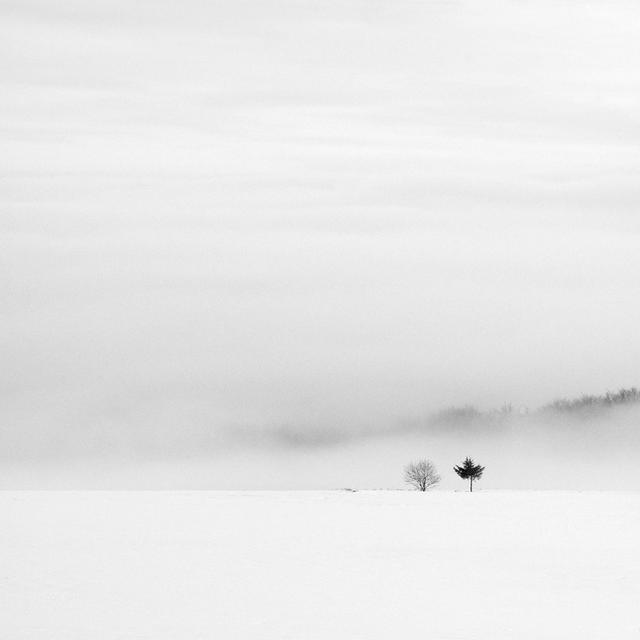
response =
{"points": [[469, 469]]}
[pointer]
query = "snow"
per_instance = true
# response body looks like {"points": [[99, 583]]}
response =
{"points": [[319, 565]]}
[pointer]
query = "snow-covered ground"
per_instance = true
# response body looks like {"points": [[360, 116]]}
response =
{"points": [[319, 565]]}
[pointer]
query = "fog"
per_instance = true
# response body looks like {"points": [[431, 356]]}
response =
{"points": [[253, 244]]}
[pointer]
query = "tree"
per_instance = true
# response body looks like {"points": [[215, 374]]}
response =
{"points": [[469, 469], [421, 475]]}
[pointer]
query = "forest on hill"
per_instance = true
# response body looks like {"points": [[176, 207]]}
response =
{"points": [[584, 407]]}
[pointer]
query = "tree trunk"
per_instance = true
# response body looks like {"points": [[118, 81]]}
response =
{"points": [[470, 485]]}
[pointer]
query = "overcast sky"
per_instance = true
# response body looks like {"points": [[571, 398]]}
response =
{"points": [[220, 219]]}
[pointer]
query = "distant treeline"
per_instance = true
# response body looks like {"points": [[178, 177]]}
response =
{"points": [[587, 402], [584, 406]]}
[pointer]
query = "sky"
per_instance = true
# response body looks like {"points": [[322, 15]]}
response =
{"points": [[230, 227]]}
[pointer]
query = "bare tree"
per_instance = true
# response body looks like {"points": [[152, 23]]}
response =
{"points": [[421, 475], [469, 469]]}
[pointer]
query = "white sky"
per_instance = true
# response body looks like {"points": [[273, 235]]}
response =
{"points": [[241, 215]]}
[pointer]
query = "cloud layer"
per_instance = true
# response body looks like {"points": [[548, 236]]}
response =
{"points": [[315, 218]]}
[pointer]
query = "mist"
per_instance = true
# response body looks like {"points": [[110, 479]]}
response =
{"points": [[257, 245]]}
